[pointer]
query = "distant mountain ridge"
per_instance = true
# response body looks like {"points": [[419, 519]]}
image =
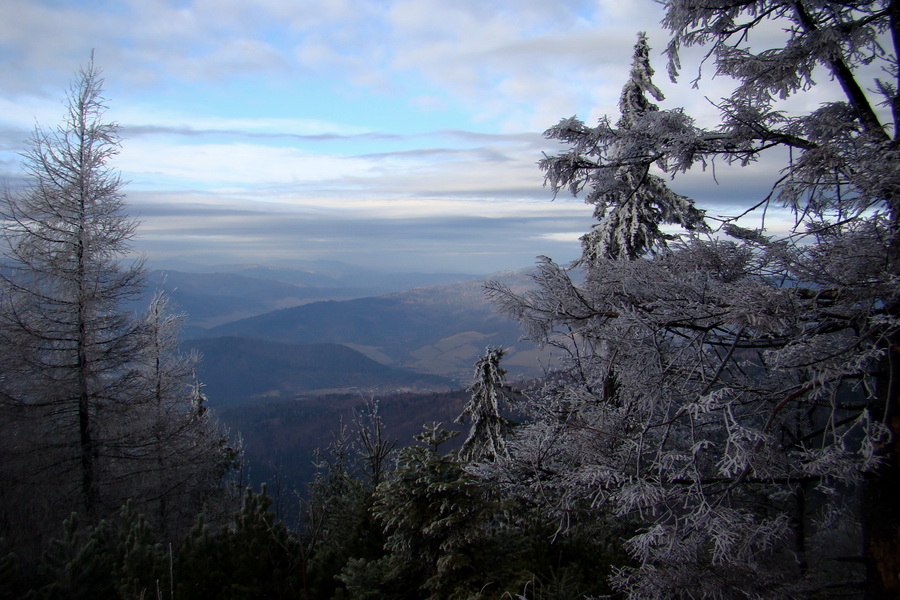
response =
{"points": [[239, 370], [426, 330], [232, 292], [288, 355], [439, 330], [288, 378]]}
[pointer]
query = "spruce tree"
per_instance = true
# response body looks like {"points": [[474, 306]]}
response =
{"points": [[615, 164], [486, 439], [737, 394]]}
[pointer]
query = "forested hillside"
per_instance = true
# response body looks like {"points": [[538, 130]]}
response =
{"points": [[281, 438], [216, 295], [436, 330], [246, 371]]}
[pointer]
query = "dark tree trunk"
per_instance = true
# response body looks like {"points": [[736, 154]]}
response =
{"points": [[881, 499]]}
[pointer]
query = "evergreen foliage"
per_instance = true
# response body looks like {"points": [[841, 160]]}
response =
{"points": [[488, 391], [340, 525], [451, 535], [736, 394], [726, 422], [114, 558], [255, 557], [615, 164], [432, 512], [427, 528]]}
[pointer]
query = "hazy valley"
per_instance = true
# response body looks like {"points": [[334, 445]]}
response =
{"points": [[424, 337], [288, 354]]}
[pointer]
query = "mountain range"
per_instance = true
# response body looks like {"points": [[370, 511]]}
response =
{"points": [[238, 370], [436, 330], [228, 293], [288, 355], [276, 338]]}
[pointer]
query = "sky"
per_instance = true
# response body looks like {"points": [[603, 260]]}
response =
{"points": [[394, 134]]}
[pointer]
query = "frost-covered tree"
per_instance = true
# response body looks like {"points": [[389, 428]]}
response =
{"points": [[176, 453], [442, 529], [64, 284], [488, 392], [614, 163], [738, 394], [96, 402]]}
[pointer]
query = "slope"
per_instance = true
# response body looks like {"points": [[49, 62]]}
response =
{"points": [[439, 330], [239, 370]]}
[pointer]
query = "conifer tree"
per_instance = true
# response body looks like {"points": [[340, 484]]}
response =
{"points": [[115, 557], [738, 394], [340, 526], [615, 165], [255, 557], [179, 453], [436, 520], [63, 243], [488, 391], [96, 402]]}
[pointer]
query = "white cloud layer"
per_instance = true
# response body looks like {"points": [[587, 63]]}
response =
{"points": [[380, 131]]}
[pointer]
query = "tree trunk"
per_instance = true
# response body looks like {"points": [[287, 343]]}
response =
{"points": [[881, 499], [84, 398]]}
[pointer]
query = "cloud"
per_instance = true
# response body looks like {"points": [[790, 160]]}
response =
{"points": [[378, 129], [483, 55], [241, 164], [462, 237]]}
